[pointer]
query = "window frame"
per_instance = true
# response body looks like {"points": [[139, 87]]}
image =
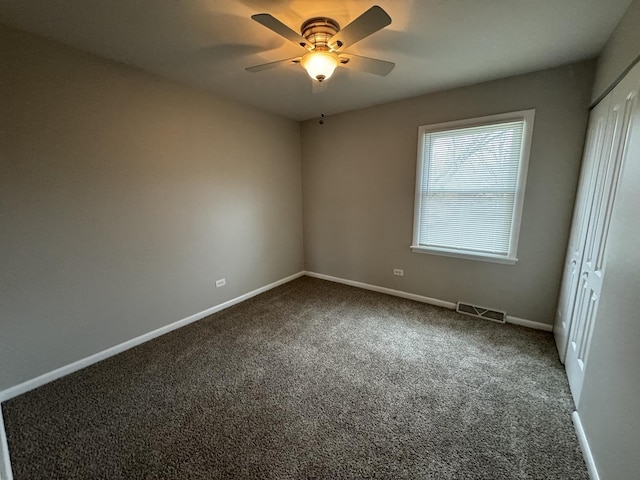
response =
{"points": [[511, 258]]}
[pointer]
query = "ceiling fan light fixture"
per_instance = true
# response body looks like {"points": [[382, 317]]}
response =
{"points": [[320, 65]]}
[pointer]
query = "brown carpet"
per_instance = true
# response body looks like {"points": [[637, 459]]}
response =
{"points": [[309, 380]]}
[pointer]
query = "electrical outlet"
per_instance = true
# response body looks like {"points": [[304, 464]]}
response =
{"points": [[221, 283], [398, 272]]}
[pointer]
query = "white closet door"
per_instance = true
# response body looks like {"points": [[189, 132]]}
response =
{"points": [[575, 250], [593, 227]]}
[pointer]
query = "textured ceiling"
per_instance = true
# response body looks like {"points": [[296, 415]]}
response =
{"points": [[436, 44]]}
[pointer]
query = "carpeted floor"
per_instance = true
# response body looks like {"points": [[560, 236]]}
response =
{"points": [[309, 380]]}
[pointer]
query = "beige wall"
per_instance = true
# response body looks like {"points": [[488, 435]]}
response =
{"points": [[123, 198], [358, 187], [622, 48]]}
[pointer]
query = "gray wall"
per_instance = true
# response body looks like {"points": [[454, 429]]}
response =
{"points": [[358, 187], [611, 392], [622, 48], [123, 198]]}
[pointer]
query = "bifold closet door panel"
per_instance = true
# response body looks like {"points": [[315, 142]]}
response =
{"points": [[583, 280]]}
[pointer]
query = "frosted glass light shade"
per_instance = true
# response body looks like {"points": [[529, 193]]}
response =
{"points": [[320, 65]]}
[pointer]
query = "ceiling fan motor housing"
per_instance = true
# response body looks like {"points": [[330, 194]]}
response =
{"points": [[319, 30]]}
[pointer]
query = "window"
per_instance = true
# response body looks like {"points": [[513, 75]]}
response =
{"points": [[470, 186]]}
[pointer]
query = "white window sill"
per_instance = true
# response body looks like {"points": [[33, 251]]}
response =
{"points": [[482, 257]]}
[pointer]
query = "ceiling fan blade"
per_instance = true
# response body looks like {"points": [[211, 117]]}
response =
{"points": [[366, 64], [369, 22], [272, 23], [267, 66]]}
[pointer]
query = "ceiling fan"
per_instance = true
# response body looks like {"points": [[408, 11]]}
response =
{"points": [[325, 41]]}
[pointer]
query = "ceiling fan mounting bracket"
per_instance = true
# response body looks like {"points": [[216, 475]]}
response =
{"points": [[319, 30]]}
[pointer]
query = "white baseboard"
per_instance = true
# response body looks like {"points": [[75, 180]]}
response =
{"points": [[388, 291], [423, 299], [109, 352], [5, 462], [5, 465], [584, 444], [529, 323]]}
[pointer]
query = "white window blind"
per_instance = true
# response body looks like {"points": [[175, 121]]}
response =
{"points": [[469, 190]]}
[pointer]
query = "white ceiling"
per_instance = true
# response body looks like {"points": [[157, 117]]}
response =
{"points": [[436, 44]]}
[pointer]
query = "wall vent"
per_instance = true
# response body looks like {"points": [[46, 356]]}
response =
{"points": [[481, 312]]}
